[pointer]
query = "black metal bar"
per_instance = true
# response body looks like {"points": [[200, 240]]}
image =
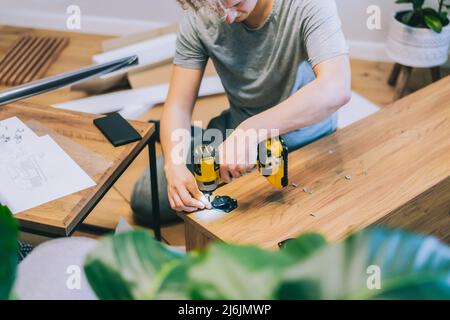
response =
{"points": [[154, 188], [63, 80]]}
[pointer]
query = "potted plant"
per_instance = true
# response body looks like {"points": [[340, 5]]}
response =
{"points": [[371, 264], [420, 37]]}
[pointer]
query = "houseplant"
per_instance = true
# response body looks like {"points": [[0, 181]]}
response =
{"points": [[133, 265], [8, 251], [420, 37]]}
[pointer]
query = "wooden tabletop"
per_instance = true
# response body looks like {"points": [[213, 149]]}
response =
{"points": [[392, 168], [79, 137]]}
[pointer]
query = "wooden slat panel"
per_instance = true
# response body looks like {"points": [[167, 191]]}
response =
{"points": [[29, 58]]}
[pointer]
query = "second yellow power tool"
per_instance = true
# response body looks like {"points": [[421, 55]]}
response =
{"points": [[273, 162]]}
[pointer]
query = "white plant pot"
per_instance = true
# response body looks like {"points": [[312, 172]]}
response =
{"points": [[417, 47]]}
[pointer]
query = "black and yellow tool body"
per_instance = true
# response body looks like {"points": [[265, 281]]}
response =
{"points": [[272, 163], [206, 169]]}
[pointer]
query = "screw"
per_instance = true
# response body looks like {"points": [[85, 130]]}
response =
{"points": [[307, 190]]}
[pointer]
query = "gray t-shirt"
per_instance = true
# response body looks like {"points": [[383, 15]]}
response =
{"points": [[258, 67]]}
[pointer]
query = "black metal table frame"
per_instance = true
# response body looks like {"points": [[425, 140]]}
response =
{"points": [[156, 225]]}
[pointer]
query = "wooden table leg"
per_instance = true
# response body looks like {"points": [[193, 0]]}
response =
{"points": [[154, 189], [402, 82], [195, 238], [392, 81]]}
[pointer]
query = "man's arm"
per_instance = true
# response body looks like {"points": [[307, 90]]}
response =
{"points": [[311, 104], [182, 189]]}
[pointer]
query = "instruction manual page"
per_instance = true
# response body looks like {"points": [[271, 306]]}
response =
{"points": [[35, 170]]}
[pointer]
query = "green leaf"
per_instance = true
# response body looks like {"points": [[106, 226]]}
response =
{"points": [[444, 18], [8, 251], [417, 4], [407, 17], [174, 283], [231, 272], [304, 246], [410, 266], [434, 23], [132, 265]]}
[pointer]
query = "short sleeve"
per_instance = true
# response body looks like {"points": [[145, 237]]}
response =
{"points": [[190, 52], [322, 31]]}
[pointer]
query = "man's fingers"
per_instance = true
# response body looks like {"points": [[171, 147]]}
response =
{"points": [[179, 205], [234, 170], [193, 189], [235, 173], [242, 169], [224, 174], [171, 202], [188, 200]]}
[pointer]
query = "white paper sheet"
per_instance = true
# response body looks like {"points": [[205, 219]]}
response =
{"points": [[357, 109], [150, 52], [132, 103], [37, 171], [14, 132]]}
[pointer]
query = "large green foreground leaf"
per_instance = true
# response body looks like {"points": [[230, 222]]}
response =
{"points": [[231, 272], [132, 265], [304, 246], [409, 266], [372, 264], [8, 251]]}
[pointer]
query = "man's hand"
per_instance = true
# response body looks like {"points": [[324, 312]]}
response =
{"points": [[237, 155], [182, 190]]}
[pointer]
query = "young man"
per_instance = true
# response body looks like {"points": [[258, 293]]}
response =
{"points": [[284, 65]]}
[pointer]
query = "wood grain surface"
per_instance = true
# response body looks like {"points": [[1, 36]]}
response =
{"points": [[78, 136], [392, 168], [29, 58]]}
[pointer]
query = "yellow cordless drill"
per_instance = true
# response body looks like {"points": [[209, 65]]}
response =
{"points": [[272, 163], [206, 169]]}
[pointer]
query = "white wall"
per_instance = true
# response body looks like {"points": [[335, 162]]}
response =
{"points": [[127, 16]]}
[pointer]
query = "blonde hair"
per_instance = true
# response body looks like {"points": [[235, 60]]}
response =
{"points": [[192, 4]]}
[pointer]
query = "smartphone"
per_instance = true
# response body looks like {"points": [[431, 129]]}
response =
{"points": [[117, 130]]}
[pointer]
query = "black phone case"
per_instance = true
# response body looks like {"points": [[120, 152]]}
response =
{"points": [[117, 130]]}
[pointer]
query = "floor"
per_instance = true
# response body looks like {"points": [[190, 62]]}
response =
{"points": [[369, 80]]}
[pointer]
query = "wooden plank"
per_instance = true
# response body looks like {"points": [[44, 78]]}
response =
{"points": [[32, 55], [40, 67], [30, 58], [398, 159], [428, 213], [61, 216], [196, 239]]}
